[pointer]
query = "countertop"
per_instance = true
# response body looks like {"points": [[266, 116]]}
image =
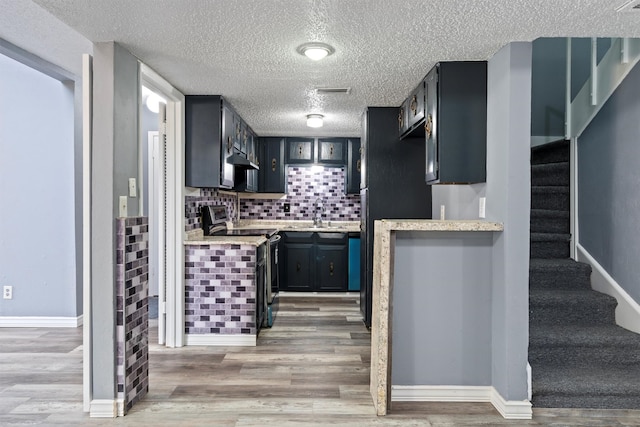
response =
{"points": [[196, 237], [438, 225]]}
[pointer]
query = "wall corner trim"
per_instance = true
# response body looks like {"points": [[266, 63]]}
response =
{"points": [[628, 310], [40, 322], [120, 406], [509, 409], [103, 408]]}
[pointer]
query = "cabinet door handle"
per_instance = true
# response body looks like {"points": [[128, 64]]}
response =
{"points": [[331, 268], [401, 118], [298, 267], [331, 150], [360, 151], [300, 150], [273, 164], [428, 126], [414, 105], [358, 165]]}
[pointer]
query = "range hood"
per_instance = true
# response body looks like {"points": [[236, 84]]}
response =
{"points": [[240, 162]]}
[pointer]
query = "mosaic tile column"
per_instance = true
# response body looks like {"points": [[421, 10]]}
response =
{"points": [[132, 311]]}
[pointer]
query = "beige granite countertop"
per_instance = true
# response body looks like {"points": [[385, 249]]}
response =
{"points": [[196, 237], [438, 225]]}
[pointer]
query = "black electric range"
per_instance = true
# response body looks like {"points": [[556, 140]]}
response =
{"points": [[214, 223]]}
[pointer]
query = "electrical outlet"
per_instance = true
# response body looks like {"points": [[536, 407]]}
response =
{"points": [[287, 207], [123, 206], [7, 292], [482, 213]]}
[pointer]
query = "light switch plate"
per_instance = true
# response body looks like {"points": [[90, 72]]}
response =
{"points": [[133, 191]]}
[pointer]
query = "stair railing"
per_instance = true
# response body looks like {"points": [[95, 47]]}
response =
{"points": [[605, 76]]}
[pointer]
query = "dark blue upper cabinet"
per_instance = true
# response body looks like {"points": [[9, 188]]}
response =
{"points": [[300, 150], [455, 124]]}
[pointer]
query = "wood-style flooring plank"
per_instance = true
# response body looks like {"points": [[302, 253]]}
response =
{"points": [[310, 369]]}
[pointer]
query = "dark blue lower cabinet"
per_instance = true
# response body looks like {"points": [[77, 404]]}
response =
{"points": [[314, 262]]}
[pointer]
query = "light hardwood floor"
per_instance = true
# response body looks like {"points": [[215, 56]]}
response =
{"points": [[311, 368]]}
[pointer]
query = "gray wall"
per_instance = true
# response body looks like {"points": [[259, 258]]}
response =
{"points": [[442, 333], [609, 185], [38, 245], [114, 161], [508, 201], [501, 293], [460, 201]]}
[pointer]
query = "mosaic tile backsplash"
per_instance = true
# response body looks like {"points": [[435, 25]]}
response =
{"points": [[220, 291], [304, 187], [132, 310], [208, 197]]}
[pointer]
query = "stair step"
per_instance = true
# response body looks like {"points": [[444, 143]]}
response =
{"points": [[596, 346], [557, 307], [549, 245], [548, 221], [585, 387], [550, 198], [550, 153], [552, 174], [561, 274]]}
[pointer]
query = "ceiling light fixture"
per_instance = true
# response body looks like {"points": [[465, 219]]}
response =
{"points": [[315, 50], [315, 120]]}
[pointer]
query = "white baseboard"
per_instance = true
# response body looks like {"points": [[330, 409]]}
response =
{"points": [[103, 408], [509, 409], [40, 322], [628, 310], [221, 340]]}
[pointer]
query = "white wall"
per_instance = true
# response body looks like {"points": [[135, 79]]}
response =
{"points": [[37, 212]]}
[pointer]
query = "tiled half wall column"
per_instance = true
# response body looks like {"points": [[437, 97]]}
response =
{"points": [[132, 311], [220, 290]]}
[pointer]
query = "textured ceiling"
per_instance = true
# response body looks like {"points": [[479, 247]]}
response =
{"points": [[246, 49]]}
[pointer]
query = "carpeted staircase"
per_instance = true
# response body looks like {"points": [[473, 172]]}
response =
{"points": [[579, 357]]}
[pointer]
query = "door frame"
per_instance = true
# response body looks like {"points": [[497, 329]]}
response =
{"points": [[156, 201], [174, 334]]}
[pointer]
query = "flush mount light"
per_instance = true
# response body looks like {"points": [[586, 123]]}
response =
{"points": [[315, 50], [315, 120]]}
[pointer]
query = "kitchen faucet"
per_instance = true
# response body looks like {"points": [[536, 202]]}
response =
{"points": [[318, 211]]}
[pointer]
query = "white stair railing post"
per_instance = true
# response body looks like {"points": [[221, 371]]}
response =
{"points": [[594, 71], [567, 109]]}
